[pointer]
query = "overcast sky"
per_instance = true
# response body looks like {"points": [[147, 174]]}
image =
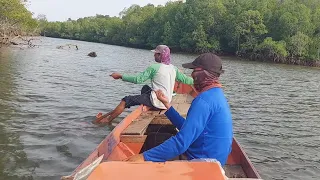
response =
{"points": [[61, 10]]}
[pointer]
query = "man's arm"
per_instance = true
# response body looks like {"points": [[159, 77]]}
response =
{"points": [[143, 76], [194, 125], [183, 78], [176, 119]]}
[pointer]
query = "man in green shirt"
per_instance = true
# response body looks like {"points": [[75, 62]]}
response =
{"points": [[162, 75]]}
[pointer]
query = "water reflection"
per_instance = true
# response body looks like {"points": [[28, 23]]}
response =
{"points": [[14, 163]]}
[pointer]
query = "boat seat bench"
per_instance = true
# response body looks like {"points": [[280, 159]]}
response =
{"points": [[139, 126]]}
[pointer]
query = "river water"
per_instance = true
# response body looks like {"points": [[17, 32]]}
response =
{"points": [[49, 96]]}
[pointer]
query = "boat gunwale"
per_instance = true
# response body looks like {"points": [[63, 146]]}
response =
{"points": [[249, 169], [111, 140]]}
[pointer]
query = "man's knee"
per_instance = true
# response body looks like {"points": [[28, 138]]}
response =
{"points": [[130, 101], [125, 101], [145, 89]]}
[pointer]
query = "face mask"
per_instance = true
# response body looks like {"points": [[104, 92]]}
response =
{"points": [[203, 80], [157, 58]]}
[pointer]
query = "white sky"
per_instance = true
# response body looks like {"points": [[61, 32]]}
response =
{"points": [[61, 10]]}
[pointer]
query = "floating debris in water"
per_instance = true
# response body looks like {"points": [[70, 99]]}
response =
{"points": [[92, 54]]}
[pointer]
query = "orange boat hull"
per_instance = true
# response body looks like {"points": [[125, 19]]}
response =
{"points": [[117, 147]]}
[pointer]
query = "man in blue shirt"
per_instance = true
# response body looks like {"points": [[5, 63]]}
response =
{"points": [[207, 130]]}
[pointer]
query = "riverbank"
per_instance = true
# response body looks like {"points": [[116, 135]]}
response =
{"points": [[15, 35], [255, 57], [287, 60], [16, 22]]}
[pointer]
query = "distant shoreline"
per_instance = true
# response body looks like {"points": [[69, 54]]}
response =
{"points": [[293, 61]]}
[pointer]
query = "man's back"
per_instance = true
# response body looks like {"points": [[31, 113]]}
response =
{"points": [[216, 138], [205, 133], [163, 79]]}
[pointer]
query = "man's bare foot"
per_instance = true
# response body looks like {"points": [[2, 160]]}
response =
{"points": [[144, 108]]}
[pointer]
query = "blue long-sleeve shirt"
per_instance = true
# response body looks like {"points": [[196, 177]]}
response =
{"points": [[205, 133]]}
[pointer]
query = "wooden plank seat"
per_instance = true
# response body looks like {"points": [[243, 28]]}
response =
{"points": [[181, 103], [182, 109], [139, 126], [182, 99], [161, 119], [133, 138]]}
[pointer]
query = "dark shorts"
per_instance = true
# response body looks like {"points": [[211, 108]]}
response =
{"points": [[143, 98]]}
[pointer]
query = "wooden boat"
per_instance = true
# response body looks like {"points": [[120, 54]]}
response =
{"points": [[127, 139]]}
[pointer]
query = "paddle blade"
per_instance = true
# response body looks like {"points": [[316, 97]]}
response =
{"points": [[84, 173]]}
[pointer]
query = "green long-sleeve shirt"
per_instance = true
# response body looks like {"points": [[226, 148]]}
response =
{"points": [[162, 77]]}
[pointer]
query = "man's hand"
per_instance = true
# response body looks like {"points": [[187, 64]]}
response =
{"points": [[163, 98], [116, 76], [136, 158]]}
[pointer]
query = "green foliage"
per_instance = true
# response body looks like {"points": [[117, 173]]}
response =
{"points": [[272, 49], [314, 48], [298, 45], [249, 28], [273, 29], [14, 14]]}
